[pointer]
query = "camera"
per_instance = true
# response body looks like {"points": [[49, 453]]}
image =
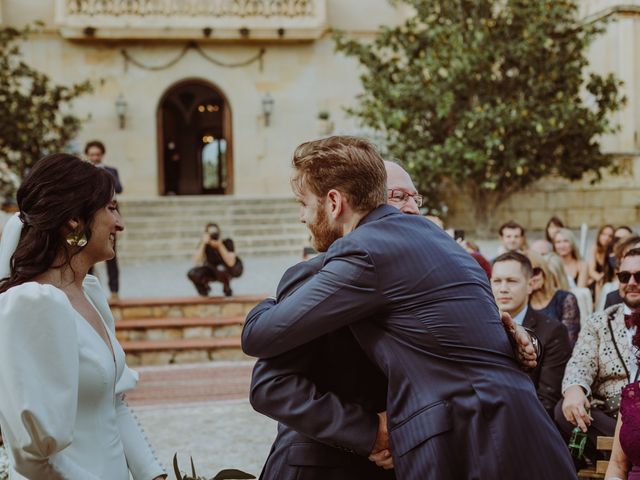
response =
{"points": [[214, 235]]}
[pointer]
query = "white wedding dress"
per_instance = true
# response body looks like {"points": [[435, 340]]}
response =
{"points": [[62, 412]]}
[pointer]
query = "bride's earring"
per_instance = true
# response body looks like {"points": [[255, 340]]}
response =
{"points": [[77, 238]]}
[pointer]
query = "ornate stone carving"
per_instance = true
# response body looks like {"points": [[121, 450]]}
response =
{"points": [[192, 8]]}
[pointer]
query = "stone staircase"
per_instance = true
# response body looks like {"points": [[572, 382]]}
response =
{"points": [[160, 331], [169, 228]]}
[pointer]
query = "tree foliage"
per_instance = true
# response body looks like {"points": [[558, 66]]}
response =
{"points": [[486, 96], [35, 113]]}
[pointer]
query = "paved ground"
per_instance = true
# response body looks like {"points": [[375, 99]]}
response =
{"points": [[202, 411], [169, 278]]}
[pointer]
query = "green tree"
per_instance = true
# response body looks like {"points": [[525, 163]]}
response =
{"points": [[486, 96], [35, 114]]}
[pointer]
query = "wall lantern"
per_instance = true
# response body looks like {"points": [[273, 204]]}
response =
{"points": [[267, 108], [121, 110]]}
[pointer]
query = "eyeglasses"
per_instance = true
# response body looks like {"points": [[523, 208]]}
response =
{"points": [[402, 197], [536, 271], [624, 276]]}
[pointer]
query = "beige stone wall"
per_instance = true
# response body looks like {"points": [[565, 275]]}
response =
{"points": [[303, 78]]}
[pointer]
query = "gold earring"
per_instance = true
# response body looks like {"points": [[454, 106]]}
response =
{"points": [[77, 238]]}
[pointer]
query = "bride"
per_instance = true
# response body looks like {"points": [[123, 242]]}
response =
{"points": [[62, 371]]}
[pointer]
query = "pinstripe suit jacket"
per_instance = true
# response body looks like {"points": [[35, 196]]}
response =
{"points": [[327, 412], [422, 309]]}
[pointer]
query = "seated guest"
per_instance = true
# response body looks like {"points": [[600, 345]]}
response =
{"points": [[548, 300], [602, 363], [474, 250], [553, 225], [511, 285], [625, 451], [622, 232], [610, 290], [542, 247], [512, 236], [599, 271], [566, 247]]}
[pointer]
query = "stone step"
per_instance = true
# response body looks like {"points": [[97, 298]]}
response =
{"points": [[190, 244], [169, 228], [183, 307], [151, 323], [237, 233], [182, 350], [151, 329], [187, 254]]}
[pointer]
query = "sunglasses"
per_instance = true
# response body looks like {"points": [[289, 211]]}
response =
{"points": [[536, 271], [624, 277]]}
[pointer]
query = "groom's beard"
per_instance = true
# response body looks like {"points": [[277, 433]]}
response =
{"points": [[322, 232]]}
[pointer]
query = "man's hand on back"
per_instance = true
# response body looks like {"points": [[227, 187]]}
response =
{"points": [[524, 344], [381, 451]]}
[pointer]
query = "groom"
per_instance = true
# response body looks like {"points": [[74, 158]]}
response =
{"points": [[421, 309]]}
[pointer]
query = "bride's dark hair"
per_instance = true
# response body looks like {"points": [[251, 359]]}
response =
{"points": [[60, 187]]}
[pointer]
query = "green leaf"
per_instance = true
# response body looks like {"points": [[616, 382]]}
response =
{"points": [[232, 474], [176, 470]]}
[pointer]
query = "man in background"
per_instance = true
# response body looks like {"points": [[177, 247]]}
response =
{"points": [[511, 285], [512, 236], [95, 150]]}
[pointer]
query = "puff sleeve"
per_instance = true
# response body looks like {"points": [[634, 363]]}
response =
{"points": [[39, 381]]}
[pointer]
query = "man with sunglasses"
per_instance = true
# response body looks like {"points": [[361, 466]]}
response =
{"points": [[603, 362]]}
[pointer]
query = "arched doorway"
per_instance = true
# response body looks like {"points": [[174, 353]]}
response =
{"points": [[194, 140]]}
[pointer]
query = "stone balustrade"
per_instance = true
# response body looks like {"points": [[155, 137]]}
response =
{"points": [[192, 19], [215, 8]]}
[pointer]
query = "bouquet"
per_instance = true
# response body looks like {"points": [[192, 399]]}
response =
{"points": [[229, 474]]}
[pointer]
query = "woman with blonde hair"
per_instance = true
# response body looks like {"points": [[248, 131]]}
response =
{"points": [[551, 301], [566, 247]]}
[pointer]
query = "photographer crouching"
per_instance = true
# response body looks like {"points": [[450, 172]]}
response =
{"points": [[215, 261]]}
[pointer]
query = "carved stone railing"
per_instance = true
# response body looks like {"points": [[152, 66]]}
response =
{"points": [[192, 19]]}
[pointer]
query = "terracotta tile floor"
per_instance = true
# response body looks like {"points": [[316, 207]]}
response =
{"points": [[196, 383]]}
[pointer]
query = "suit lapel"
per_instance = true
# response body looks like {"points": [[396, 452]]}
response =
{"points": [[622, 352]]}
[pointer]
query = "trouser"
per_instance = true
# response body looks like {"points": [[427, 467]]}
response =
{"points": [[202, 276], [602, 425]]}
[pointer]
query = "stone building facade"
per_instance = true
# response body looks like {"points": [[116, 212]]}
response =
{"points": [[197, 97]]}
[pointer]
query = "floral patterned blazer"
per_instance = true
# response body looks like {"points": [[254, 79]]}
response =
{"points": [[602, 359]]}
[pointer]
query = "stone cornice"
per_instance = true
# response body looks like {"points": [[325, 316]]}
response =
{"points": [[230, 20]]}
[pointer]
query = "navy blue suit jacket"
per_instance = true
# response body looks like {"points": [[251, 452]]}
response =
{"points": [[325, 394], [554, 354], [116, 178], [422, 309]]}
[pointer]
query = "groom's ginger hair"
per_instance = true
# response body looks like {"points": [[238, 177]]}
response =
{"points": [[350, 165]]}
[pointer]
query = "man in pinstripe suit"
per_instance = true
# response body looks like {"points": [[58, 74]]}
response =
{"points": [[458, 406]]}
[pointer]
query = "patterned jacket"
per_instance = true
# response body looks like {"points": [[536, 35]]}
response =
{"points": [[602, 359]]}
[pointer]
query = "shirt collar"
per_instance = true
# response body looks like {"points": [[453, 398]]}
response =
{"points": [[519, 318]]}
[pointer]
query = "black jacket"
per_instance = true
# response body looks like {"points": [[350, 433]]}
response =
{"points": [[554, 355], [325, 394]]}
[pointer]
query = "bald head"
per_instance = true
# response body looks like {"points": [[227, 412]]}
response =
{"points": [[399, 180]]}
